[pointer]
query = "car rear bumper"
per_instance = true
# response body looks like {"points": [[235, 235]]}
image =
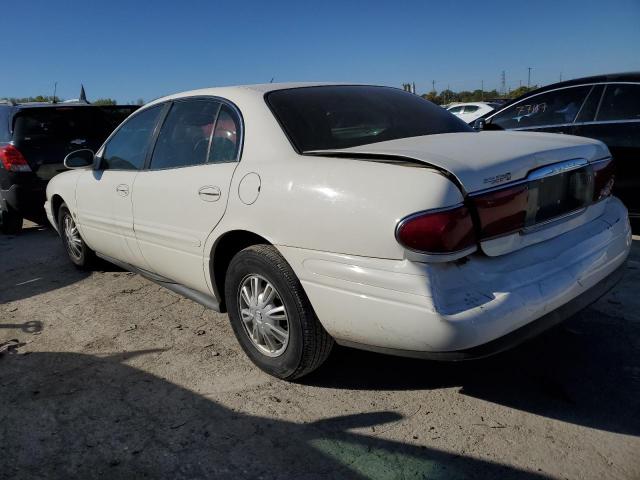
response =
{"points": [[26, 198], [463, 310]]}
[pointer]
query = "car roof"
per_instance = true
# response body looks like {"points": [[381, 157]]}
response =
{"points": [[607, 78], [259, 89]]}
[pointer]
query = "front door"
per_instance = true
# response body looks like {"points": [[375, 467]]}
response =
{"points": [[103, 195], [179, 200]]}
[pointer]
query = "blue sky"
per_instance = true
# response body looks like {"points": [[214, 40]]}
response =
{"points": [[134, 49]]}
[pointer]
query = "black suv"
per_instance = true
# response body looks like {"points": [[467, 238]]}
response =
{"points": [[34, 139], [605, 107]]}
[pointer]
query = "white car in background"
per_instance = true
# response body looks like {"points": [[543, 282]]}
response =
{"points": [[469, 112], [356, 214]]}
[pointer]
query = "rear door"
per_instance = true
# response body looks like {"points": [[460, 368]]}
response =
{"points": [[614, 118], [183, 194], [103, 195]]}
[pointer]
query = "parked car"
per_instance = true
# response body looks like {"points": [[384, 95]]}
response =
{"points": [[362, 215], [34, 139], [469, 112], [604, 107]]}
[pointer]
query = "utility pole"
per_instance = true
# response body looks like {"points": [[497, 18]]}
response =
{"points": [[55, 88], [482, 90], [560, 76], [503, 82], [529, 78], [433, 86]]}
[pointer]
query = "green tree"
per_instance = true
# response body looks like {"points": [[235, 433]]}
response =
{"points": [[521, 91], [104, 101]]}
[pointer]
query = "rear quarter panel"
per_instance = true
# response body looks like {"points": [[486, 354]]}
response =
{"points": [[334, 205]]}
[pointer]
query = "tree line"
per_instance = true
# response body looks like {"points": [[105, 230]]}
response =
{"points": [[56, 99], [449, 96]]}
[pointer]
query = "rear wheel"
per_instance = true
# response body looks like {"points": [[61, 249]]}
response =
{"points": [[79, 253], [271, 316], [11, 221]]}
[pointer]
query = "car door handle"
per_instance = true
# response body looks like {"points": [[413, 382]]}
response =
{"points": [[209, 194], [123, 190]]}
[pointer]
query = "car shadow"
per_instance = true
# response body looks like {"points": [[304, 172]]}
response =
{"points": [[35, 262], [68, 415], [580, 373], [585, 371]]}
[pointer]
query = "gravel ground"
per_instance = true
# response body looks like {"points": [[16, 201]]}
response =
{"points": [[113, 376]]}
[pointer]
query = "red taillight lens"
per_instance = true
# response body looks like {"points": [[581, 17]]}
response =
{"points": [[603, 178], [13, 160], [502, 211], [445, 231]]}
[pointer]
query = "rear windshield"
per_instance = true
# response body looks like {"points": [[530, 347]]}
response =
{"points": [[63, 124], [334, 117], [115, 114]]}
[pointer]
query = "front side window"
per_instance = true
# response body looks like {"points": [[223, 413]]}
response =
{"points": [[620, 102], [552, 108], [184, 137], [456, 109], [127, 149], [342, 116], [471, 108]]}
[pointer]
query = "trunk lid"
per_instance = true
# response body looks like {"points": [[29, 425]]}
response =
{"points": [[557, 172], [482, 160]]}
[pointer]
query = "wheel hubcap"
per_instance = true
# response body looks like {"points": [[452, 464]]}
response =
{"points": [[263, 315], [72, 236]]}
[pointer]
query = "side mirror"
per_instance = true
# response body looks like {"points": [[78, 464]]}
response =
{"points": [[479, 124], [79, 159]]}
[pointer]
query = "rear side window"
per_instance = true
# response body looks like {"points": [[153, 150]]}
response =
{"points": [[471, 108], [127, 149], [226, 137], [5, 134], [184, 138], [552, 108], [620, 102], [456, 109], [342, 116]]}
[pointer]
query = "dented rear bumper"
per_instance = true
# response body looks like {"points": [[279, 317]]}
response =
{"points": [[464, 309]]}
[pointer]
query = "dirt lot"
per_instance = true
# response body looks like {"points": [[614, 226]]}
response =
{"points": [[116, 377]]}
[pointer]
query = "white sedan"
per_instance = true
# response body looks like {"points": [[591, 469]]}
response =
{"points": [[360, 215], [469, 112]]}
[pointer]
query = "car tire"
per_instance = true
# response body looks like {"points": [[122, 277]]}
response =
{"points": [[11, 222], [79, 253], [260, 316]]}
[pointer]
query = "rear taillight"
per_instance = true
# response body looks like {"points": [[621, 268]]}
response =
{"points": [[13, 160], [603, 178], [502, 211], [439, 232]]}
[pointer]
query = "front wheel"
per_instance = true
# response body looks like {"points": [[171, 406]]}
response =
{"points": [[271, 315], [79, 253]]}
